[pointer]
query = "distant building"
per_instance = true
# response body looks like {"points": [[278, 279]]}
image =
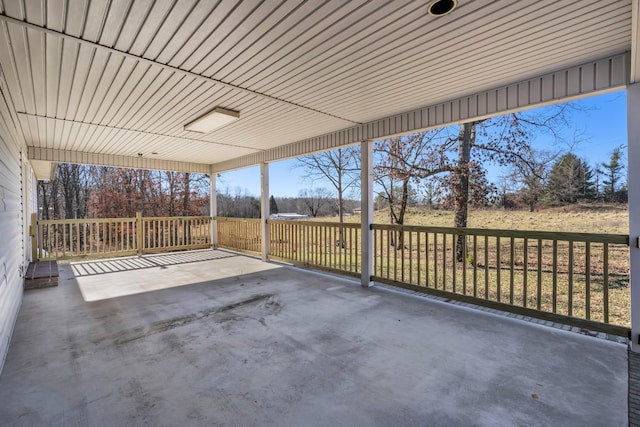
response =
{"points": [[288, 216]]}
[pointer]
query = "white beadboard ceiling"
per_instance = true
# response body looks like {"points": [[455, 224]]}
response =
{"points": [[122, 77]]}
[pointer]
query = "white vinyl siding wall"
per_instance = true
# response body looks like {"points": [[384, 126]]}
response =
{"points": [[29, 205], [12, 249]]}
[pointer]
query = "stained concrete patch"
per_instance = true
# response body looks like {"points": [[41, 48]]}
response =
{"points": [[283, 347], [139, 332]]}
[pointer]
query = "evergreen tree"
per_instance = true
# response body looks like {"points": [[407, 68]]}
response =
{"points": [[570, 180], [273, 206], [612, 176]]}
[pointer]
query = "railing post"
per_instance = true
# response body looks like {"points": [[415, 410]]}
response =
{"points": [[633, 182], [139, 232], [366, 209], [33, 232], [213, 209], [264, 210]]}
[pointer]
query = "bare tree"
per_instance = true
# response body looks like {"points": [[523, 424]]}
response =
{"points": [[171, 183], [340, 167], [430, 192], [73, 181], [403, 161], [506, 141], [186, 193], [314, 200], [458, 162], [466, 139], [531, 176]]}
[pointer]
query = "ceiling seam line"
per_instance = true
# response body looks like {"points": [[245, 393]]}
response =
{"points": [[165, 66], [136, 131]]}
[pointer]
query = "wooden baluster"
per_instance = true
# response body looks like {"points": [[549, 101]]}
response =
{"points": [[570, 290], [588, 280], [539, 296], [525, 277], [511, 268], [498, 268], [555, 277], [454, 273], [475, 266], [486, 267], [605, 282]]}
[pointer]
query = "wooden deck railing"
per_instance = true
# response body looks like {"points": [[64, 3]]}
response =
{"points": [[327, 246], [321, 245], [162, 234], [69, 238], [568, 275], [239, 234], [577, 278]]}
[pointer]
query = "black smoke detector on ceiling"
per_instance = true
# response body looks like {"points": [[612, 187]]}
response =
{"points": [[442, 7]]}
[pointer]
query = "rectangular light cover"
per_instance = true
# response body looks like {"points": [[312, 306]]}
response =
{"points": [[214, 119]]}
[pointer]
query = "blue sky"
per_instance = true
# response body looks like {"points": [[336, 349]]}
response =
{"points": [[600, 123]]}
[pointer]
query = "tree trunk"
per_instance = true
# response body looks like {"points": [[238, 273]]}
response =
{"points": [[68, 189], [466, 138], [141, 193], [187, 194], [403, 208], [55, 191], [340, 242], [45, 201], [172, 194], [186, 232]]}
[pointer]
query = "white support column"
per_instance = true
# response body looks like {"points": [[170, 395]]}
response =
{"points": [[264, 209], [213, 209], [633, 130], [366, 206]]}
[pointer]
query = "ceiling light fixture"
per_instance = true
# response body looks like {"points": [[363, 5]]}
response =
{"points": [[214, 119], [442, 7]]}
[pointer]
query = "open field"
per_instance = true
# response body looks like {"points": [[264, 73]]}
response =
{"points": [[587, 218]]}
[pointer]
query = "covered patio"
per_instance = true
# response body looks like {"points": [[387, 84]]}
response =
{"points": [[214, 338], [217, 338]]}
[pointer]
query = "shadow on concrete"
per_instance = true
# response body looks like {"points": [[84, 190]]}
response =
{"points": [[113, 265], [114, 278]]}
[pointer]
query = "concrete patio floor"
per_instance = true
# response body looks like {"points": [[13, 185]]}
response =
{"points": [[229, 340]]}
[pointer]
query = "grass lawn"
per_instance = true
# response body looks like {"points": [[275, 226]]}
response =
{"points": [[608, 219]]}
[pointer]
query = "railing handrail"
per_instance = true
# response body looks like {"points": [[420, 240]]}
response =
{"points": [[314, 223], [570, 236], [122, 219], [621, 239], [176, 217], [83, 220], [530, 234]]}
